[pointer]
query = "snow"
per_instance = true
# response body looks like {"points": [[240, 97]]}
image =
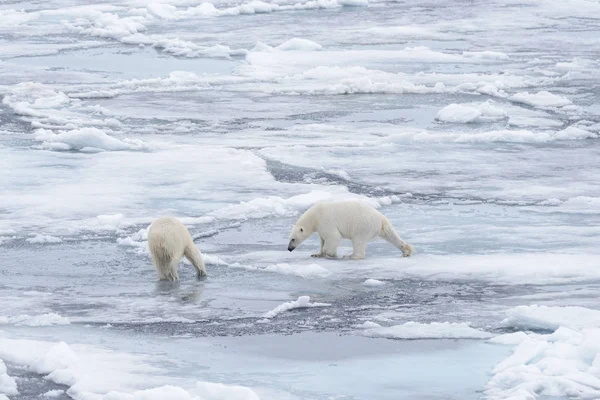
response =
{"points": [[304, 271], [432, 330], [302, 302]]}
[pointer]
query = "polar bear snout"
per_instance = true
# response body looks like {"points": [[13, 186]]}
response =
{"points": [[291, 246]]}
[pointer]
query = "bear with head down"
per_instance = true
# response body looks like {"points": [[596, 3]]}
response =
{"points": [[352, 220], [168, 241]]}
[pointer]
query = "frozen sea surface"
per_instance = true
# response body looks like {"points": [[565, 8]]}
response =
{"points": [[473, 126]]}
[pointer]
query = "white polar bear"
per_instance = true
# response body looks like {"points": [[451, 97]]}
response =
{"points": [[352, 220], [168, 241]]}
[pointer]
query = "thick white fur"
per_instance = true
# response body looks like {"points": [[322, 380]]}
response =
{"points": [[168, 241], [352, 220]]}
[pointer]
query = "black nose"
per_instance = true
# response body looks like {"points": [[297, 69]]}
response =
{"points": [[290, 248]]}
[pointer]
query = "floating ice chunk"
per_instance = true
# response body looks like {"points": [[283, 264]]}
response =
{"points": [[353, 3], [109, 25], [44, 239], [299, 44], [510, 338], [8, 386], [12, 17], [369, 324], [433, 330], [185, 48], [162, 10], [213, 260], [58, 357], [93, 373], [305, 271], [32, 98], [36, 320], [53, 393], [138, 38], [541, 99], [576, 64], [465, 113], [340, 173], [302, 302], [4, 239], [575, 133], [457, 113], [563, 364], [277, 206], [204, 9], [409, 31], [551, 318], [373, 283], [85, 138], [486, 55], [137, 247]]}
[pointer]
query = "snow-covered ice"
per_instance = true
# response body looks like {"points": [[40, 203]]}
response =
{"points": [[36, 320], [432, 330], [8, 386], [473, 129]]}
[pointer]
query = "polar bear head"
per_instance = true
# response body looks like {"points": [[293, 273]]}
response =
{"points": [[298, 235]]}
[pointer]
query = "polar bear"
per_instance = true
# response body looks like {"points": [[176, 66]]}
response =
{"points": [[352, 220], [168, 241]]}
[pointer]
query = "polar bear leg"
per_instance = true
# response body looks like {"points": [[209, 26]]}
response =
{"points": [[359, 249], [330, 245], [194, 256], [320, 253], [173, 272]]}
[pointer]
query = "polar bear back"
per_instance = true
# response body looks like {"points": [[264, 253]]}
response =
{"points": [[170, 235], [350, 218]]}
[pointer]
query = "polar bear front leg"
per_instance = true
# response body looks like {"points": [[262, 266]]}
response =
{"points": [[330, 245], [320, 253]]}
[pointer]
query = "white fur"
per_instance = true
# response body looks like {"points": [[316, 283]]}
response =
{"points": [[352, 220], [168, 241]]}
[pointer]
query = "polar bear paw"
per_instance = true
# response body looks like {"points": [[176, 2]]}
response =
{"points": [[407, 250]]}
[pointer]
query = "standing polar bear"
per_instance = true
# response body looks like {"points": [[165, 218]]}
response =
{"points": [[168, 241], [345, 220]]}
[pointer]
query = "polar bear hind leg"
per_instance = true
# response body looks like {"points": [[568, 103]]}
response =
{"points": [[193, 255], [389, 233], [359, 249], [163, 261]]}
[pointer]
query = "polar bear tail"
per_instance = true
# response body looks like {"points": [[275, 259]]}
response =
{"points": [[389, 233]]}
